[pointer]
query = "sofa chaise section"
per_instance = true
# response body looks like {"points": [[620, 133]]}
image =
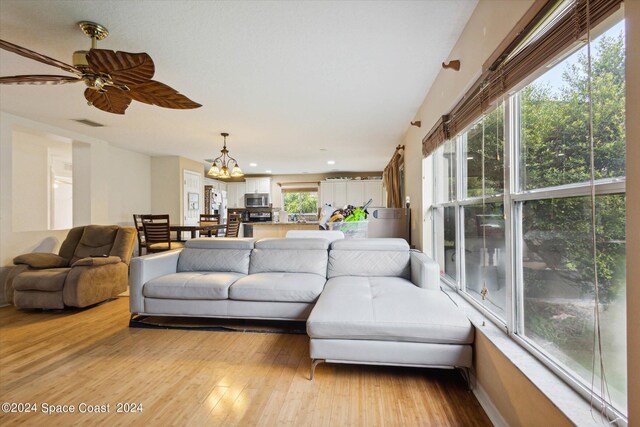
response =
{"points": [[382, 305]]}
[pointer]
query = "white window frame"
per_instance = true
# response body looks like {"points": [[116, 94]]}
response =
{"points": [[512, 198]]}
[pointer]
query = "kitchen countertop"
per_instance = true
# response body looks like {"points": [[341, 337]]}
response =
{"points": [[280, 223]]}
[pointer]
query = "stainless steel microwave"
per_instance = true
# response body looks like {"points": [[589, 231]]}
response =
{"points": [[256, 200]]}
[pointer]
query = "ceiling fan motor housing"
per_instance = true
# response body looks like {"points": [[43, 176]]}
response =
{"points": [[80, 60]]}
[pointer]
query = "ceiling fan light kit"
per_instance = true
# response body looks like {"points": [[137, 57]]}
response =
{"points": [[220, 165], [113, 79]]}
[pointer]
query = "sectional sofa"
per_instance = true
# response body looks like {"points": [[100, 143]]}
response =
{"points": [[365, 301]]}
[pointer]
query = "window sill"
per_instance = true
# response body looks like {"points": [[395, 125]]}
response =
{"points": [[567, 400]]}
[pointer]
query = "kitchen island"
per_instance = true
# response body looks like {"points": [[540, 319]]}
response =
{"points": [[261, 230]]}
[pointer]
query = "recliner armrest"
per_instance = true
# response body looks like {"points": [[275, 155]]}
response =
{"points": [[425, 272], [95, 261], [41, 260], [146, 268]]}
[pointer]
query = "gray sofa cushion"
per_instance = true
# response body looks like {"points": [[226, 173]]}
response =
{"points": [[223, 260], [379, 244], [191, 285], [220, 243], [308, 243], [283, 287], [369, 257], [387, 309], [290, 256]]}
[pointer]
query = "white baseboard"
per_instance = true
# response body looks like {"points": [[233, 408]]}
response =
{"points": [[488, 406]]}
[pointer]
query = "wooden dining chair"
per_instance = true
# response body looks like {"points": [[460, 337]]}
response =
{"points": [[157, 233], [137, 222], [233, 225], [210, 219]]}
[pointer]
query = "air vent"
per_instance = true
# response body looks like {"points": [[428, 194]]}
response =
{"points": [[89, 123]]}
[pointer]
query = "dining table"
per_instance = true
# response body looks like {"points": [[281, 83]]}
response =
{"points": [[180, 229]]}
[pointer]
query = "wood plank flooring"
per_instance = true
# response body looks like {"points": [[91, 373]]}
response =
{"points": [[199, 378]]}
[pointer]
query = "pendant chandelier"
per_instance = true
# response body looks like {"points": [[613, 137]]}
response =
{"points": [[222, 164]]}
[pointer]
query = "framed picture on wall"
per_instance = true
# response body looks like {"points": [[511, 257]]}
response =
{"points": [[194, 201]]}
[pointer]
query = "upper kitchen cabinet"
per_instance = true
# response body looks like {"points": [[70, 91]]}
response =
{"points": [[235, 194], [333, 193], [215, 184], [355, 192], [373, 190], [258, 185]]}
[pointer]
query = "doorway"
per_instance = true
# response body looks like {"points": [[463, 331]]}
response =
{"points": [[192, 195]]}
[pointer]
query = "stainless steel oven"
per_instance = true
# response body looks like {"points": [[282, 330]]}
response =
{"points": [[260, 217], [256, 200]]}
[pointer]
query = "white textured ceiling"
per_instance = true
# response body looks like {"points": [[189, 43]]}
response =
{"points": [[285, 79]]}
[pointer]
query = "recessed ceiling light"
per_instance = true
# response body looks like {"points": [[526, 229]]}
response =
{"points": [[253, 165], [331, 162], [268, 171]]}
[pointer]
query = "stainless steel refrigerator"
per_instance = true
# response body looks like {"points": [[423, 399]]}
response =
{"points": [[390, 222]]}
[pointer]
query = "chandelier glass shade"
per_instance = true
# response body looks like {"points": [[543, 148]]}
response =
{"points": [[225, 166]]}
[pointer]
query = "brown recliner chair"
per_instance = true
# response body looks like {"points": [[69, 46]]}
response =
{"points": [[92, 266]]}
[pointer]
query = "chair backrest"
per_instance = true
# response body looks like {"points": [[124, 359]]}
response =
{"points": [[156, 229], [233, 225], [209, 219], [97, 241], [137, 222]]}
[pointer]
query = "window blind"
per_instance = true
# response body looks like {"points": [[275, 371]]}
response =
{"points": [[565, 23]]}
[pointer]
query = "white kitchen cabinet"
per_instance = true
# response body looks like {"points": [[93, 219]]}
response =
{"points": [[215, 184], [326, 193], [373, 190], [333, 193], [235, 194], [258, 185], [340, 194], [356, 193]]}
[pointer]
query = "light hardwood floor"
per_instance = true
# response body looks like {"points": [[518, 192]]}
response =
{"points": [[206, 378]]}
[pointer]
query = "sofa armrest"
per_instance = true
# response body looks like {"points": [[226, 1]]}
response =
{"points": [[148, 267], [425, 272]]}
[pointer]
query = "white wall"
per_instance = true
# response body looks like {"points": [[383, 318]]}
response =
{"points": [[167, 189], [129, 185], [101, 197], [30, 169]]}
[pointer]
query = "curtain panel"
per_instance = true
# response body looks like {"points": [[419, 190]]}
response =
{"points": [[391, 179]]}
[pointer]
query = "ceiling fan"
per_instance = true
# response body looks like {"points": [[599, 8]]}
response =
{"points": [[113, 79]]}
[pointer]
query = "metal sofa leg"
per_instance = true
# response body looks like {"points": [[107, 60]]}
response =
{"points": [[464, 371], [314, 363]]}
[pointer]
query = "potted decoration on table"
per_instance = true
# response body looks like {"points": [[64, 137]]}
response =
{"points": [[350, 220]]}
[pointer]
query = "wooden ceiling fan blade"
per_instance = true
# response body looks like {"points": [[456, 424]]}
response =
{"points": [[156, 93], [38, 79], [112, 101], [123, 67], [23, 51]]}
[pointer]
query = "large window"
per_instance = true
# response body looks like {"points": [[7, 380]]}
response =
{"points": [[512, 214], [301, 205]]}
